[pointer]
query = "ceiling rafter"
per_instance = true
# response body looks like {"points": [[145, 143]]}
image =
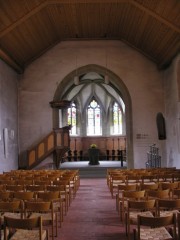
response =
{"points": [[49, 2], [24, 18], [155, 35], [155, 15]]}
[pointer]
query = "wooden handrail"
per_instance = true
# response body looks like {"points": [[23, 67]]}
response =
{"points": [[57, 142]]}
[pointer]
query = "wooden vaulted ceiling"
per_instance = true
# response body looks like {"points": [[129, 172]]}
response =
{"points": [[28, 28]]}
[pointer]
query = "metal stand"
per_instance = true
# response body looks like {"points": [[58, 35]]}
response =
{"points": [[154, 160]]}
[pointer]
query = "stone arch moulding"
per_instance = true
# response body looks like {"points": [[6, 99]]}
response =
{"points": [[117, 84]]}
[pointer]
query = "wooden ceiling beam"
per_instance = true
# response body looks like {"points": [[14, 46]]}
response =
{"points": [[155, 15], [24, 18], [6, 58], [50, 2], [138, 5]]}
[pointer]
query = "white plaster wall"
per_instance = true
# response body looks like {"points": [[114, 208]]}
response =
{"points": [[139, 74], [172, 103], [8, 118]]}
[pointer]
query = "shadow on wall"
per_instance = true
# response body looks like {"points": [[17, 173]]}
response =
{"points": [[171, 159]]}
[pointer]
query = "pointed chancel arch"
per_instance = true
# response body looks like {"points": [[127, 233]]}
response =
{"points": [[92, 82]]}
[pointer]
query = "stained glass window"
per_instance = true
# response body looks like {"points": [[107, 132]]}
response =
{"points": [[117, 119], [72, 118], [94, 118]]}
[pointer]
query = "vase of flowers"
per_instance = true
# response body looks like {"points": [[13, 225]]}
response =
{"points": [[93, 145]]}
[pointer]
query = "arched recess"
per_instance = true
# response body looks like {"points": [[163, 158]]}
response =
{"points": [[116, 83]]}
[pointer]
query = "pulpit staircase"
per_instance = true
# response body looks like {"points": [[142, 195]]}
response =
{"points": [[56, 142]]}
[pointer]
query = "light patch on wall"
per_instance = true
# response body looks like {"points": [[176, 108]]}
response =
{"points": [[174, 130], [5, 139], [11, 134], [171, 158]]}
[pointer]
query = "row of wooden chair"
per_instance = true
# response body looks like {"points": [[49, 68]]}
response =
{"points": [[149, 200], [131, 192], [49, 202], [142, 172], [70, 179], [114, 179], [149, 208], [43, 194], [32, 177], [19, 209], [162, 190], [135, 202]]}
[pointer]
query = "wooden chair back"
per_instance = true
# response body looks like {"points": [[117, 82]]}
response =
{"points": [[158, 194], [34, 206], [134, 208], [167, 206], [24, 195], [14, 188], [48, 196], [169, 185], [24, 182], [133, 195], [63, 195], [35, 188], [12, 224], [176, 193], [2, 187], [44, 209], [127, 195], [155, 227], [5, 196], [149, 186], [121, 188], [115, 181], [11, 206]]}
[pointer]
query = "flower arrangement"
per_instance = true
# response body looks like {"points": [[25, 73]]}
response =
{"points": [[93, 145]]}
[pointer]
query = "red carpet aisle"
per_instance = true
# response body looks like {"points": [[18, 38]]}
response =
{"points": [[92, 214]]}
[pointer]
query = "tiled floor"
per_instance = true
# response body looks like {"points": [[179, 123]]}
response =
{"points": [[92, 214]]}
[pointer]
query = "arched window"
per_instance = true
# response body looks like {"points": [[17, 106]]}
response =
{"points": [[72, 118], [93, 118], [117, 119]]}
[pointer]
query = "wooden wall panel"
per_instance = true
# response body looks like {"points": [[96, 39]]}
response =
{"points": [[50, 142], [103, 143], [32, 157], [41, 150]]}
